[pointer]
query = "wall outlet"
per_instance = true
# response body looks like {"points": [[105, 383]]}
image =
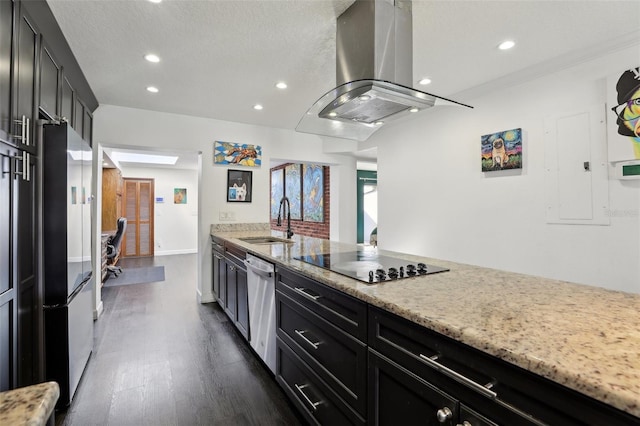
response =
{"points": [[222, 215]]}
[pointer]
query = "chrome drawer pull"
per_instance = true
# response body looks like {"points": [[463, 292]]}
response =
{"points": [[302, 291], [314, 405], [458, 377], [301, 334]]}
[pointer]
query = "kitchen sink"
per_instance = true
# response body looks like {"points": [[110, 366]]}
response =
{"points": [[266, 240]]}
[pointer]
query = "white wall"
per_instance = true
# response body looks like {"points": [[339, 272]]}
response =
{"points": [[175, 225], [126, 127], [453, 211]]}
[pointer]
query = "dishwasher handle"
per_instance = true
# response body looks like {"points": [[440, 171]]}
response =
{"points": [[265, 272]]}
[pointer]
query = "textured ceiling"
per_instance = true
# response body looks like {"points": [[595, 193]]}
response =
{"points": [[219, 58]]}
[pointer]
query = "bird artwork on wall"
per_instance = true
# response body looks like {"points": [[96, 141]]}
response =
{"points": [[237, 154]]}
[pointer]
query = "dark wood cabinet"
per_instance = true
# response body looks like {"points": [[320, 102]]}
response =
{"points": [[321, 327], [30, 339], [66, 99], [401, 398], [233, 296], [31, 87], [8, 287], [218, 270], [315, 400], [26, 42], [20, 298], [49, 83], [87, 126], [6, 30], [486, 389]]}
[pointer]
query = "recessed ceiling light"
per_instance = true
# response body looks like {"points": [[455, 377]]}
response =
{"points": [[332, 114], [152, 89], [155, 1], [414, 109], [364, 97], [257, 107], [425, 81], [505, 45], [152, 58], [379, 123], [281, 85]]}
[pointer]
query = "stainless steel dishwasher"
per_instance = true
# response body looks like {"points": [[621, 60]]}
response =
{"points": [[261, 282]]}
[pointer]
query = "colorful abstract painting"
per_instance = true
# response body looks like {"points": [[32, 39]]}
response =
{"points": [[292, 182], [313, 184], [277, 191], [623, 123], [502, 150], [237, 154]]}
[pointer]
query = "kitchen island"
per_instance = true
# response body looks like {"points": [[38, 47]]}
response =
{"points": [[584, 338]]}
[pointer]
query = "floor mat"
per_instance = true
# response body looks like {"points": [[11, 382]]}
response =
{"points": [[150, 274]]}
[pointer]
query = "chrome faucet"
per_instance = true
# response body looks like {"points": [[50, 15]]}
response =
{"points": [[279, 221]]}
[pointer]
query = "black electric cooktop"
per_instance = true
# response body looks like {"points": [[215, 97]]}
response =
{"points": [[370, 267]]}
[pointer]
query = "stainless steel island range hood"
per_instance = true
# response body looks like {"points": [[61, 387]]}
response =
{"points": [[374, 73]]}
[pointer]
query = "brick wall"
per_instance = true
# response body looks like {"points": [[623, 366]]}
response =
{"points": [[311, 229]]}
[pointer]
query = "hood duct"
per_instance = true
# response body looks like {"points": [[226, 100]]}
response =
{"points": [[374, 73]]}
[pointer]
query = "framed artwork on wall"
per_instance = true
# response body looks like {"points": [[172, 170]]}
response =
{"points": [[237, 154], [277, 191], [313, 184], [293, 189], [239, 186], [501, 150], [179, 195]]}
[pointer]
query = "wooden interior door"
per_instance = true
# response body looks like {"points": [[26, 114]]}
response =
{"points": [[138, 209]]}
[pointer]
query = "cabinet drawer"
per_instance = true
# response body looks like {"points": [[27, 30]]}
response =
{"points": [[401, 398], [342, 310], [339, 359], [307, 391], [519, 396]]}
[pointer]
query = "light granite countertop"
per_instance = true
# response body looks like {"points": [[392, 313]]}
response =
{"points": [[585, 338], [30, 405]]}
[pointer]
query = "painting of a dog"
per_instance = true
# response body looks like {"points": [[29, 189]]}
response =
{"points": [[502, 150]]}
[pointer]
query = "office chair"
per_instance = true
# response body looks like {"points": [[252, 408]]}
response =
{"points": [[113, 247]]}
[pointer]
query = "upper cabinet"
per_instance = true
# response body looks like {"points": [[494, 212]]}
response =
{"points": [[39, 77], [66, 100], [49, 83], [6, 14], [24, 76]]}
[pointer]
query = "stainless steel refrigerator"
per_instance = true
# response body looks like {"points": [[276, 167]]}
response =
{"points": [[68, 273]]}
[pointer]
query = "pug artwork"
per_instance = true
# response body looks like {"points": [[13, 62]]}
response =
{"points": [[502, 150]]}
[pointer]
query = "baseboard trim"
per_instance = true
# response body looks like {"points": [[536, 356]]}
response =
{"points": [[171, 252]]}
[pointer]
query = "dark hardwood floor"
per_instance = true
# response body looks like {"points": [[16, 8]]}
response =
{"points": [[161, 358]]}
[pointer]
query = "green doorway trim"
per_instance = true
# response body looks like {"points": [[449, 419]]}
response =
{"points": [[364, 177]]}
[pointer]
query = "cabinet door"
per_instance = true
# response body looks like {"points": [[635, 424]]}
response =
{"points": [[66, 100], [8, 298], [222, 279], [78, 116], [29, 298], [49, 83], [87, 126], [24, 72], [216, 257], [6, 18], [243, 302], [397, 397], [231, 291]]}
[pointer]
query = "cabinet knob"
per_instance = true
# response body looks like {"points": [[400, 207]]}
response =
{"points": [[444, 414]]}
